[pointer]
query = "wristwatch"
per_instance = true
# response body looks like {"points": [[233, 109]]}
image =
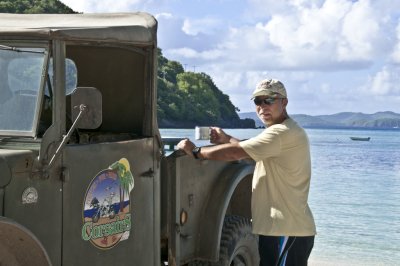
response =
{"points": [[196, 152]]}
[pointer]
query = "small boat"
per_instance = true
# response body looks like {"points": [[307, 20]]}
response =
{"points": [[360, 138]]}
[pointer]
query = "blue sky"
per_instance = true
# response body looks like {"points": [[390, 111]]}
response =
{"points": [[332, 55]]}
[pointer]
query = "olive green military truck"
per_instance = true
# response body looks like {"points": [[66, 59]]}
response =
{"points": [[85, 176]]}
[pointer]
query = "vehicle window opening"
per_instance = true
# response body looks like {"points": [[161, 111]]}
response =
{"points": [[113, 70]]}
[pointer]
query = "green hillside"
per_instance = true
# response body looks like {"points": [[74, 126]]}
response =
{"points": [[34, 7], [187, 99]]}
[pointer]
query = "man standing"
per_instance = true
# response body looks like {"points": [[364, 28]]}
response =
{"points": [[281, 180]]}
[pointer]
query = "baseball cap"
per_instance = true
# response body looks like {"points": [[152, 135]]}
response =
{"points": [[270, 87]]}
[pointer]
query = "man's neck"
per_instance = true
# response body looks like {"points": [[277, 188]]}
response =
{"points": [[280, 120]]}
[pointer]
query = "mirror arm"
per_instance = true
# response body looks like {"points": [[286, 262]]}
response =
{"points": [[82, 108]]}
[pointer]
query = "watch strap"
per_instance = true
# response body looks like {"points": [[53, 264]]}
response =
{"points": [[196, 152]]}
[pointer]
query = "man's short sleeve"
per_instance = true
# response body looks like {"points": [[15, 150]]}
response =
{"points": [[266, 144]]}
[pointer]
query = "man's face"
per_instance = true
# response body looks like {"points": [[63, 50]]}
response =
{"points": [[271, 110]]}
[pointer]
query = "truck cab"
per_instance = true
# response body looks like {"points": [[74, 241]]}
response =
{"points": [[84, 173]]}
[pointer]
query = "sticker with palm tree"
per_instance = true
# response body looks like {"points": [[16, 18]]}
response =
{"points": [[106, 210]]}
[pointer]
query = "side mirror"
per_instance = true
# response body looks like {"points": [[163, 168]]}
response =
{"points": [[91, 98], [86, 112]]}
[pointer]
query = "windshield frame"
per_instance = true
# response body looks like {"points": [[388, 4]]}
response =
{"points": [[24, 44]]}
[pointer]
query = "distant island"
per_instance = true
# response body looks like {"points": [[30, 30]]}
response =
{"points": [[380, 120]]}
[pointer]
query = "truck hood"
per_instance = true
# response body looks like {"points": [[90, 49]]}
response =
{"points": [[14, 161]]}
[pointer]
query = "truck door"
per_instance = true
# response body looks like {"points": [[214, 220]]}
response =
{"points": [[110, 192], [109, 203]]}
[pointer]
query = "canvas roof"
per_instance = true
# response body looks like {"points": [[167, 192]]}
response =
{"points": [[139, 28]]}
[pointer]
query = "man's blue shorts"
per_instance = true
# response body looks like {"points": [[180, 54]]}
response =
{"points": [[284, 250]]}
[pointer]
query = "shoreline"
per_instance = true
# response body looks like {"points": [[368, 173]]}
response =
{"points": [[341, 262]]}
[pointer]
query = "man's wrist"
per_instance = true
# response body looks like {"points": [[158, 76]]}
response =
{"points": [[196, 152]]}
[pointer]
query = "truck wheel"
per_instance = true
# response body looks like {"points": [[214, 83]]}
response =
{"points": [[238, 245], [18, 246]]}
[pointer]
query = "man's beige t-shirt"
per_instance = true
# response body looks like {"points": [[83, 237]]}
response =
{"points": [[281, 181]]}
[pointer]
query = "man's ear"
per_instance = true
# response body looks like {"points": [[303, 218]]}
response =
{"points": [[285, 101]]}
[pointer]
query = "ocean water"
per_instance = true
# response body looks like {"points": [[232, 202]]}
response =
{"points": [[354, 194]]}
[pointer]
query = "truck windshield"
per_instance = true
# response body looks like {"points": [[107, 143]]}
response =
{"points": [[21, 71]]}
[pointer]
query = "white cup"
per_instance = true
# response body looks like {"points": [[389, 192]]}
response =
{"points": [[202, 133]]}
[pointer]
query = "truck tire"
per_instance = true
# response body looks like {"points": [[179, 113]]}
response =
{"points": [[238, 247], [19, 247]]}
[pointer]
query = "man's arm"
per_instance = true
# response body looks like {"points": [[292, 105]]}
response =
{"points": [[223, 152]]}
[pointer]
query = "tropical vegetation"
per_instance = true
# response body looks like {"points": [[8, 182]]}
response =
{"points": [[34, 7], [186, 99]]}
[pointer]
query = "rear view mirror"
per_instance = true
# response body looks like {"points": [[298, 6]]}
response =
{"points": [[91, 98]]}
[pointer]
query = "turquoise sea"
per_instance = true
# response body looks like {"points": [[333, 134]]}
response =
{"points": [[354, 194]]}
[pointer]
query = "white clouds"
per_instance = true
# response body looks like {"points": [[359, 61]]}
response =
{"points": [[260, 9], [385, 82], [361, 33], [337, 35], [98, 6], [163, 16], [101, 6], [326, 51], [191, 53], [292, 34], [381, 83], [325, 36], [316, 35], [395, 56], [320, 26], [205, 25]]}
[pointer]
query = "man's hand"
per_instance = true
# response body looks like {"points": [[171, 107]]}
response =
{"points": [[218, 136], [187, 146]]}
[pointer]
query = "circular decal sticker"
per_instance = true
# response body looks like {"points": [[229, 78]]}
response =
{"points": [[30, 195], [106, 213]]}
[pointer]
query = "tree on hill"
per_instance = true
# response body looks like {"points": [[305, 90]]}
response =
{"points": [[34, 7], [187, 99]]}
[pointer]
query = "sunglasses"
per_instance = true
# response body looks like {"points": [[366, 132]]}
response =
{"points": [[266, 101]]}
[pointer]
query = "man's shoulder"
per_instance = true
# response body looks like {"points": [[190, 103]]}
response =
{"points": [[288, 128], [286, 125], [292, 124]]}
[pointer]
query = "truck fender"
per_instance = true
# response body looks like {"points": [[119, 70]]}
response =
{"points": [[18, 246], [216, 207]]}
